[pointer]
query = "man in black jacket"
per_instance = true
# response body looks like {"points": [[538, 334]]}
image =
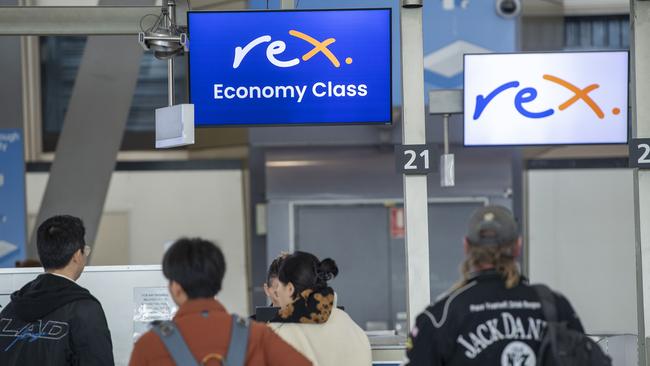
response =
{"points": [[52, 321], [492, 316]]}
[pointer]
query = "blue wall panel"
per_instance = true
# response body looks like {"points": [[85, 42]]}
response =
{"points": [[12, 197]]}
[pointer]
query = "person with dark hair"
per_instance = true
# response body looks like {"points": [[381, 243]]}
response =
{"points": [[308, 318], [492, 316], [52, 321], [203, 329], [271, 284]]}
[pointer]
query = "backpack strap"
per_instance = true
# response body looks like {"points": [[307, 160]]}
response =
{"points": [[549, 346], [174, 342], [547, 300], [238, 342]]}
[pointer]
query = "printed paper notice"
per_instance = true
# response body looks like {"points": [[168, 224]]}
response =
{"points": [[150, 304]]}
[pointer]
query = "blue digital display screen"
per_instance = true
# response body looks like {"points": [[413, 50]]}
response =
{"points": [[290, 67]]}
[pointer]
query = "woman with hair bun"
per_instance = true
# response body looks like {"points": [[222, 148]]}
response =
{"points": [[308, 318]]}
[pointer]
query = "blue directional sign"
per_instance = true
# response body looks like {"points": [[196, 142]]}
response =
{"points": [[12, 197], [290, 67]]}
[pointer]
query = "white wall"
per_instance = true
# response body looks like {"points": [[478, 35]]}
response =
{"points": [[581, 242], [162, 206]]}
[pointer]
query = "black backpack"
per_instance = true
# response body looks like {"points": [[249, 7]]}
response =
{"points": [[562, 346]]}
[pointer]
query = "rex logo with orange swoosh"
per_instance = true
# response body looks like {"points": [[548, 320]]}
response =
{"points": [[275, 48], [528, 94]]}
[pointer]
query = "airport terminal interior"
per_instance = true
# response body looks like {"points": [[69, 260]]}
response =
{"points": [[366, 131]]}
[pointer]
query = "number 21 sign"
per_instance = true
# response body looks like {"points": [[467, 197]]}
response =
{"points": [[415, 159]]}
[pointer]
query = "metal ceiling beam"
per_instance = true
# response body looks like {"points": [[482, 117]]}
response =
{"points": [[85, 20]]}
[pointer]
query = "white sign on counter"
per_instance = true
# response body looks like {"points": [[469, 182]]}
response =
{"points": [[150, 304]]}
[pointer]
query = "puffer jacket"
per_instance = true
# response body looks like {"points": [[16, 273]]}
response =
{"points": [[326, 335]]}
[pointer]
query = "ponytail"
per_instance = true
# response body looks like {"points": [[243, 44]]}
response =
{"points": [[499, 257], [327, 270]]}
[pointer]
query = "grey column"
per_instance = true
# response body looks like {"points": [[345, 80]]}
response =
{"points": [[640, 112], [518, 199], [415, 186], [11, 101], [92, 131], [258, 246]]}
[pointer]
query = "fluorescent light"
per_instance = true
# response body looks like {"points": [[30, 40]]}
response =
{"points": [[292, 163]]}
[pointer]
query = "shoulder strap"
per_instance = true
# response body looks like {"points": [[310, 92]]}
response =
{"points": [[547, 300], [238, 342], [175, 344]]}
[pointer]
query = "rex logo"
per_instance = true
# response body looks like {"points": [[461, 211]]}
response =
{"points": [[276, 48], [529, 94]]}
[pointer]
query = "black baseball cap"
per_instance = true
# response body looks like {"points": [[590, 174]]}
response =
{"points": [[492, 225]]}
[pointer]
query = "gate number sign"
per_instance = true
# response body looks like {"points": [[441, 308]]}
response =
{"points": [[415, 159], [640, 153]]}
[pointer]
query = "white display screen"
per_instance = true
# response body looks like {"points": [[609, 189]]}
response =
{"points": [[546, 98]]}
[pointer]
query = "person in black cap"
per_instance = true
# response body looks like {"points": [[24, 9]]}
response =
{"points": [[491, 316]]}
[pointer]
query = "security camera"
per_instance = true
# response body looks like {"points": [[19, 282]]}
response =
{"points": [[165, 38], [508, 8]]}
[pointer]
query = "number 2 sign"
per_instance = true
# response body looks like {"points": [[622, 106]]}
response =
{"points": [[640, 153]]}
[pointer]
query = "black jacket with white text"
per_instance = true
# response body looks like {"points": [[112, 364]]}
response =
{"points": [[484, 323], [52, 321]]}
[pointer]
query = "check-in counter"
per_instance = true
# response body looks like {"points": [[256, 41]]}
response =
{"points": [[622, 348], [388, 349], [124, 291]]}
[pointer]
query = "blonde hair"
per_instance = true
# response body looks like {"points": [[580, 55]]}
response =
{"points": [[500, 257]]}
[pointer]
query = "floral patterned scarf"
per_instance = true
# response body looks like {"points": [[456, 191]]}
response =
{"points": [[311, 307]]}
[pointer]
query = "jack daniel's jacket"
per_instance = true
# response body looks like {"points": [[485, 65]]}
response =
{"points": [[52, 321], [484, 323]]}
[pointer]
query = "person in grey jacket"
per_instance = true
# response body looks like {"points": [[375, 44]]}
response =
{"points": [[52, 321]]}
